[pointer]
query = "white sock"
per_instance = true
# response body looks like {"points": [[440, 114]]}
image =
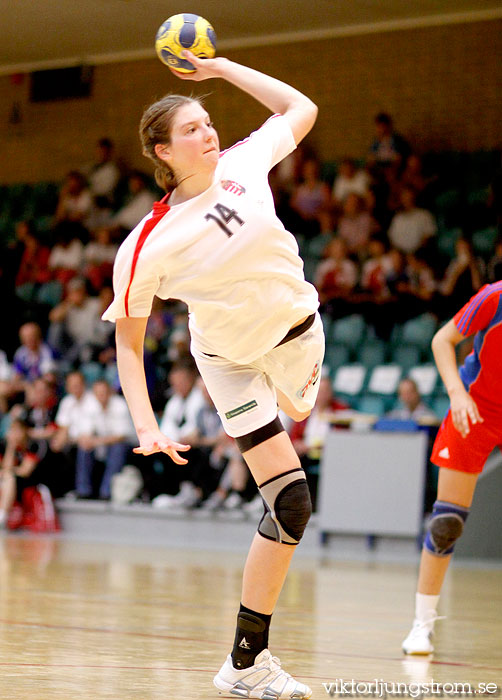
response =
{"points": [[425, 606], [3, 517]]}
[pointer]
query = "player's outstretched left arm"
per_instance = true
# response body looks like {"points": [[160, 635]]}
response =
{"points": [[130, 335], [277, 96], [463, 408]]}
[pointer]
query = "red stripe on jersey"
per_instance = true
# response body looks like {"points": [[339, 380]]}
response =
{"points": [[240, 143], [159, 210]]}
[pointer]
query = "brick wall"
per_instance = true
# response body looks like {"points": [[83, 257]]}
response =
{"points": [[441, 84]]}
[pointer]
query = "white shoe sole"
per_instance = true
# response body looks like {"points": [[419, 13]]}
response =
{"points": [[225, 687], [414, 652]]}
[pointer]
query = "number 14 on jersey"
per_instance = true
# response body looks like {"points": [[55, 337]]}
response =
{"points": [[223, 217]]}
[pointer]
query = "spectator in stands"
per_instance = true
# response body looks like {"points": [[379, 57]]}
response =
{"points": [[284, 178], [137, 205], [32, 359], [104, 174], [462, 279], [179, 419], [222, 471], [99, 254], [75, 199], [6, 373], [411, 406], [308, 437], [107, 435], [389, 148], [20, 467], [356, 225], [33, 263], [375, 271], [39, 409], [311, 201], [72, 408], [416, 289], [411, 227], [413, 177], [335, 278], [102, 347], [67, 255], [70, 423], [73, 323], [349, 180]]}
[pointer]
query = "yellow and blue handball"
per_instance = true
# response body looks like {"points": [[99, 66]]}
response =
{"points": [[184, 31]]}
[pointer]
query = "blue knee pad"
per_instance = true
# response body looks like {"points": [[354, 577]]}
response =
{"points": [[445, 527]]}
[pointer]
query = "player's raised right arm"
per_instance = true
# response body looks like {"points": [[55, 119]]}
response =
{"points": [[130, 336], [276, 95]]}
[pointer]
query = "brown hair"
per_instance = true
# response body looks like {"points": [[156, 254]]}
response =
{"points": [[155, 127]]}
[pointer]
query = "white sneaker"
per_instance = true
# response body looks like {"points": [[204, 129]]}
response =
{"points": [[419, 640], [213, 501], [233, 501], [187, 497], [255, 506], [265, 680]]}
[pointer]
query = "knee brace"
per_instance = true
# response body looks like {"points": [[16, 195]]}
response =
{"points": [[256, 437], [287, 507], [445, 527]]}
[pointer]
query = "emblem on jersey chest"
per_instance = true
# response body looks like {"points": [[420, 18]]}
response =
{"points": [[233, 187]]}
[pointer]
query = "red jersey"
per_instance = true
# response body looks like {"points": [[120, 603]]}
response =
{"points": [[481, 372]]}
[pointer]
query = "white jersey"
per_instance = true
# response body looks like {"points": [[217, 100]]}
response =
{"points": [[225, 254]]}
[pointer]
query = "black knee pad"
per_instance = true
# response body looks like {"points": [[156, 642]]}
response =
{"points": [[287, 507], [445, 527], [256, 437]]}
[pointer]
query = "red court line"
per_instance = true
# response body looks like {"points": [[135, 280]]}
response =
{"points": [[149, 635]]}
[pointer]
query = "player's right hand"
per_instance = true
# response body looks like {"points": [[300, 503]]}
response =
{"points": [[204, 67], [153, 442], [464, 411]]}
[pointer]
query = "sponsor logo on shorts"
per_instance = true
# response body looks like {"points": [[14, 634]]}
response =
{"points": [[444, 453], [311, 381], [233, 187], [249, 406]]}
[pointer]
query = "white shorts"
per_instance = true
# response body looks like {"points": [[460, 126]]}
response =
{"points": [[245, 395]]}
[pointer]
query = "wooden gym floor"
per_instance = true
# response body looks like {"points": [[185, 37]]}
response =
{"points": [[94, 621]]}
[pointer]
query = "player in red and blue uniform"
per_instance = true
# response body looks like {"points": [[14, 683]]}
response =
{"points": [[469, 433]]}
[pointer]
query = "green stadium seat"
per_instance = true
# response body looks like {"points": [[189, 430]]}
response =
{"points": [[327, 322], [92, 371], [335, 356], [349, 330], [484, 241], [26, 292], [314, 247], [419, 331], [384, 380], [49, 293], [425, 377], [446, 240], [376, 405], [440, 406], [309, 268], [406, 356], [372, 353], [448, 207], [348, 382]]}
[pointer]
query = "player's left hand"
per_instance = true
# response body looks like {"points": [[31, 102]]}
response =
{"points": [[204, 67], [464, 412]]}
